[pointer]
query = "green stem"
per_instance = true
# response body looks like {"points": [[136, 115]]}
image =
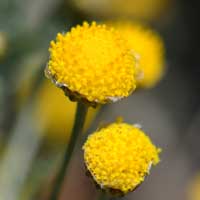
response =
{"points": [[81, 112], [102, 196]]}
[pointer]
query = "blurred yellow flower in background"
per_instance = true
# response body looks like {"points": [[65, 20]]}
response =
{"points": [[194, 188], [92, 63], [119, 157], [140, 9], [3, 44], [56, 113], [52, 110], [149, 49]]}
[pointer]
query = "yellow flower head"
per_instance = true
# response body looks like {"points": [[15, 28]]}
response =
{"points": [[150, 49], [92, 62], [119, 156]]}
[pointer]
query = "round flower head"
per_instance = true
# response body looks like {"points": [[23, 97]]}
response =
{"points": [[119, 157], [150, 49], [92, 63]]}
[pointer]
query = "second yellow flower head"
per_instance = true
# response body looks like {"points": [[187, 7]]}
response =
{"points": [[119, 157], [149, 49]]}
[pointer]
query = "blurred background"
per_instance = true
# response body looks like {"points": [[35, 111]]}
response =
{"points": [[36, 118]]}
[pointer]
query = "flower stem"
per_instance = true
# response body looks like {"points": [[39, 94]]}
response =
{"points": [[102, 196], [81, 112]]}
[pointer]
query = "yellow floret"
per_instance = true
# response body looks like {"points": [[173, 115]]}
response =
{"points": [[119, 156], [93, 61], [150, 49]]}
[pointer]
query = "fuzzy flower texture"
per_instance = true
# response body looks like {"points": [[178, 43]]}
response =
{"points": [[119, 157], [93, 62]]}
